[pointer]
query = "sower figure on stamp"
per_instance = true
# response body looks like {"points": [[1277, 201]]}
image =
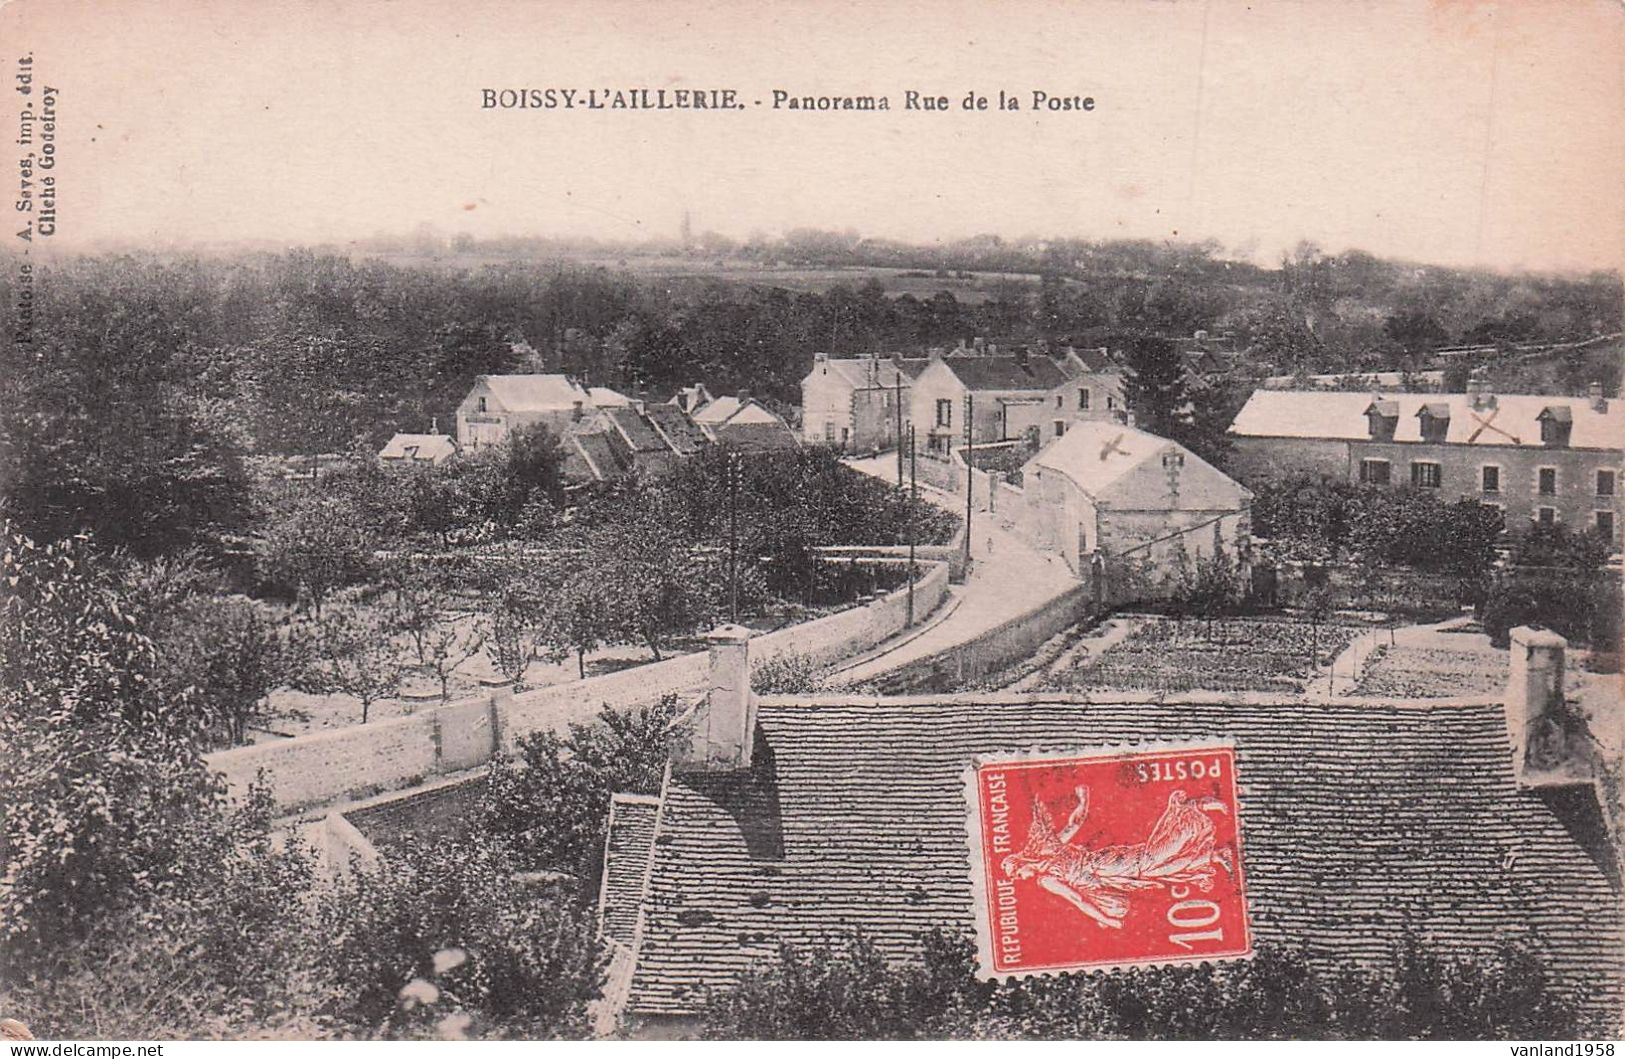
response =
{"points": [[1180, 849]]}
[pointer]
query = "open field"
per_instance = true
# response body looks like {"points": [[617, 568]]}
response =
{"points": [[1235, 654]]}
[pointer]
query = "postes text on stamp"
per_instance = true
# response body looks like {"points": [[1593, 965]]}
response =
{"points": [[1107, 859]]}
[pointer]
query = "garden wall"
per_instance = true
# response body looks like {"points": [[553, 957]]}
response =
{"points": [[996, 649], [951, 553], [354, 762]]}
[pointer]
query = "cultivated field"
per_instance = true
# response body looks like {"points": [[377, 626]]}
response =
{"points": [[1230, 655]]}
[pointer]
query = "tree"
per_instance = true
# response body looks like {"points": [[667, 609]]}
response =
{"points": [[313, 548], [535, 465], [512, 633], [102, 773], [353, 655], [1555, 545], [444, 930], [449, 643], [1155, 386], [578, 618], [550, 804]]}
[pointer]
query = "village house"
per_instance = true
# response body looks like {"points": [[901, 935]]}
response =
{"points": [[854, 403], [1104, 493], [497, 405], [1366, 827], [1538, 458], [431, 449], [692, 398], [744, 423], [1014, 396], [1092, 392], [648, 438]]}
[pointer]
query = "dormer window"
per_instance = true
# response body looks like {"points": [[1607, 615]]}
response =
{"points": [[1434, 420], [1556, 422], [1382, 417]]}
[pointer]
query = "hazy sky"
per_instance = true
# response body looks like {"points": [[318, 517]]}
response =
{"points": [[1457, 132]]}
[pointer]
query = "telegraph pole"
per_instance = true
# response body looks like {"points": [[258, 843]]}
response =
{"points": [[913, 501], [898, 401], [970, 451]]}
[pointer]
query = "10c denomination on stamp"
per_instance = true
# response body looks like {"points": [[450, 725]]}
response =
{"points": [[1107, 859]]}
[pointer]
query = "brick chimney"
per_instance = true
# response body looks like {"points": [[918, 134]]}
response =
{"points": [[1478, 393], [717, 735], [1599, 403]]}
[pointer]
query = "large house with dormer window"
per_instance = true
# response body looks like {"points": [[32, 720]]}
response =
{"points": [[1538, 458]]}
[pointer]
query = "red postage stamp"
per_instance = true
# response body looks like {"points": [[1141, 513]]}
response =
{"points": [[1107, 859]]}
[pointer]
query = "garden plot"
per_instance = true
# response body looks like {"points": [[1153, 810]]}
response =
{"points": [[1230, 655], [1402, 671]]}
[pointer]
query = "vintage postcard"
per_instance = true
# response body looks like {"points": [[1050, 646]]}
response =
{"points": [[924, 519]]}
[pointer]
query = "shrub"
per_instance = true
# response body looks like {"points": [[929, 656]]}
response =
{"points": [[1580, 609], [788, 675], [847, 988], [530, 956], [550, 807]]}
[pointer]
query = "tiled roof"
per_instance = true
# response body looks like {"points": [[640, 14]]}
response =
{"points": [[535, 393], [754, 437], [886, 372], [1034, 372], [719, 410], [604, 397], [1095, 455], [626, 863], [1359, 823], [590, 455], [1514, 419], [1095, 358], [635, 430], [428, 447], [679, 430]]}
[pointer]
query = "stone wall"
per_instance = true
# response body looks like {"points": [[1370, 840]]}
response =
{"points": [[996, 649], [387, 755]]}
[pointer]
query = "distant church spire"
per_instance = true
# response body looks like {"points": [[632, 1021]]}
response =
{"points": [[688, 230]]}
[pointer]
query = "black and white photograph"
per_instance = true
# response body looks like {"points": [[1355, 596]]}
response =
{"points": [[925, 520]]}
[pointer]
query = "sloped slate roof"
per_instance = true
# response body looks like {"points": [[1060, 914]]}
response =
{"points": [[626, 862], [635, 430], [591, 456], [755, 437], [1036, 372], [1357, 823], [1515, 419], [678, 429]]}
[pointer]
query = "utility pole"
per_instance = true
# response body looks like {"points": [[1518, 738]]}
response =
{"points": [[898, 401], [913, 501], [970, 451]]}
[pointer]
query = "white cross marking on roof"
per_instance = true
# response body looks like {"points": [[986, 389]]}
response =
{"points": [[1487, 424]]}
